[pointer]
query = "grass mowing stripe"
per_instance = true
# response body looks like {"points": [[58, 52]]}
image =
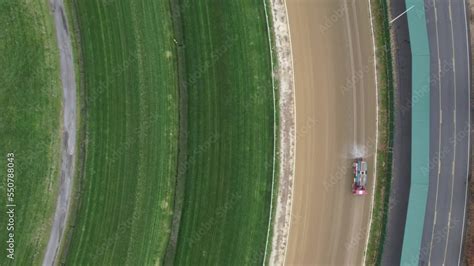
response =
{"points": [[231, 134], [30, 125], [129, 78]]}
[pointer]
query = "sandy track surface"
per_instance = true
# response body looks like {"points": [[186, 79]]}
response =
{"points": [[69, 131], [336, 121]]}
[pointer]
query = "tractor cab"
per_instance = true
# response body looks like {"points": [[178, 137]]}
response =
{"points": [[360, 177]]}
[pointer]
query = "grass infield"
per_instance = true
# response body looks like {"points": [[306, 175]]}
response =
{"points": [[143, 134]]}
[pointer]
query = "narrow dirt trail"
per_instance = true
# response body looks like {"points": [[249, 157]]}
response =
{"points": [[69, 131]]}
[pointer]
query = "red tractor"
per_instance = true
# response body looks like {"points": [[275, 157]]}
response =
{"points": [[360, 177]]}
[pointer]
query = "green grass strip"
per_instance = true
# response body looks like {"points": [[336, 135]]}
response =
{"points": [[386, 127]]}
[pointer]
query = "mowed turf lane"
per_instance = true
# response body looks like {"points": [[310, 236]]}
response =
{"points": [[30, 127], [231, 133], [131, 118]]}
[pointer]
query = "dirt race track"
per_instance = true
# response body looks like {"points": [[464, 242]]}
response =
{"points": [[336, 121]]}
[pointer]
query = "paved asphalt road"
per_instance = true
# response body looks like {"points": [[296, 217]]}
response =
{"points": [[401, 161], [449, 127]]}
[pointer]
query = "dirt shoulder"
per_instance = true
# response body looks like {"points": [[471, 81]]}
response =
{"points": [[283, 73]]}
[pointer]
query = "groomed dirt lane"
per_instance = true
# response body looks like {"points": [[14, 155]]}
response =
{"points": [[336, 121]]}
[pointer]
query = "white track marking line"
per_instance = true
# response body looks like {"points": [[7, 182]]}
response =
{"points": [[376, 132], [469, 125], [360, 73], [439, 130], [351, 52], [454, 121]]}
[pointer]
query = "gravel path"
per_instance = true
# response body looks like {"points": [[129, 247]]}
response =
{"points": [[69, 131], [287, 128]]}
